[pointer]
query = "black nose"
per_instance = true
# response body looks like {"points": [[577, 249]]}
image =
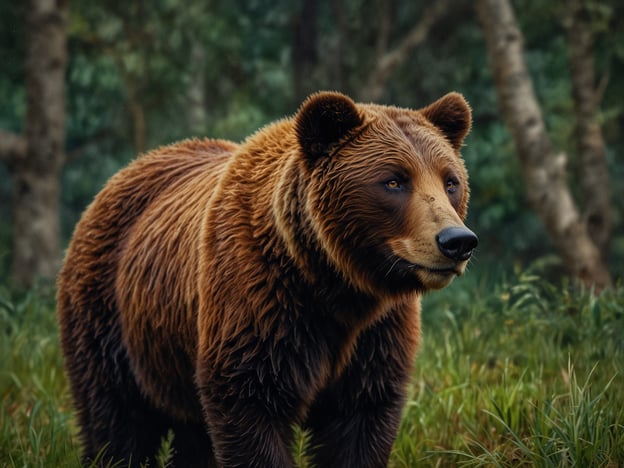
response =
{"points": [[457, 243]]}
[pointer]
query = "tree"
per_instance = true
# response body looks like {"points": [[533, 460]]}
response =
{"points": [[36, 157], [594, 174], [388, 60], [544, 168], [304, 48]]}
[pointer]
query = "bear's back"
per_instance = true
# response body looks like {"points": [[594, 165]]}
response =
{"points": [[134, 223]]}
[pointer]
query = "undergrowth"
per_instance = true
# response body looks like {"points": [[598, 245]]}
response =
{"points": [[530, 374], [521, 373]]}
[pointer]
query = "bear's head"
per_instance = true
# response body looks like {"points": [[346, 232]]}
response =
{"points": [[388, 190]]}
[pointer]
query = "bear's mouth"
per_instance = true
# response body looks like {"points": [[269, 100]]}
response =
{"points": [[445, 271], [436, 277], [403, 273]]}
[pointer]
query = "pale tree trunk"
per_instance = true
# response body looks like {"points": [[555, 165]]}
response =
{"points": [[388, 60], [544, 168], [593, 172], [35, 159]]}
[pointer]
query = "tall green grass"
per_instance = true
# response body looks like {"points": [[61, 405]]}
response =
{"points": [[36, 426], [520, 373], [529, 374]]}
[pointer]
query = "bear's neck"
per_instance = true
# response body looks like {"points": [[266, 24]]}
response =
{"points": [[329, 292], [269, 192]]}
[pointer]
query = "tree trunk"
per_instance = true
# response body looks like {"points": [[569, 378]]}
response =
{"points": [[544, 169], [196, 91], [304, 50], [36, 158], [593, 171], [336, 57], [137, 114]]}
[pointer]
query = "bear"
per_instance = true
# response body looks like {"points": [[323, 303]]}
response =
{"points": [[229, 293]]}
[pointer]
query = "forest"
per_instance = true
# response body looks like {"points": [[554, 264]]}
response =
{"points": [[523, 357]]}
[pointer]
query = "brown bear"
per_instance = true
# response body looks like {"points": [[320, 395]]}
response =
{"points": [[230, 293]]}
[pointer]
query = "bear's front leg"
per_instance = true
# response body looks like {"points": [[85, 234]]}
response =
{"points": [[249, 413], [354, 422]]}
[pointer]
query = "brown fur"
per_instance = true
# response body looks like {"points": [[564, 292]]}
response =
{"points": [[229, 292]]}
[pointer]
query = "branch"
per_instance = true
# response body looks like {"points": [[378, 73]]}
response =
{"points": [[386, 23], [12, 146], [391, 60], [417, 35]]}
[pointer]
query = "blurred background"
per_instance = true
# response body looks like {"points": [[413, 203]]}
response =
{"points": [[124, 77]]}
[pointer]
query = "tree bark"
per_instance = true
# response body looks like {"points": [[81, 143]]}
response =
{"points": [[304, 50], [544, 168], [593, 173], [196, 91], [338, 68], [389, 60], [136, 113], [12, 147], [35, 159]]}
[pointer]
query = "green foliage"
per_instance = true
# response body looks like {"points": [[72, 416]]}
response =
{"points": [[164, 457], [35, 422], [515, 371], [497, 381]]}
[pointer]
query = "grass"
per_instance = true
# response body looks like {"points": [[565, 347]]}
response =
{"points": [[523, 373], [528, 374], [36, 426]]}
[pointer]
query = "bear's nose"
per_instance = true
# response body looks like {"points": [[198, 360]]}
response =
{"points": [[457, 243]]}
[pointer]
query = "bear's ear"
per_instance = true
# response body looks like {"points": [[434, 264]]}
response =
{"points": [[323, 120], [452, 115]]}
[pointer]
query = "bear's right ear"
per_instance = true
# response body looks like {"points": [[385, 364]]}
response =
{"points": [[324, 119]]}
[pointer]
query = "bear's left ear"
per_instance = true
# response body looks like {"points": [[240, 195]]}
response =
{"points": [[323, 120], [452, 115]]}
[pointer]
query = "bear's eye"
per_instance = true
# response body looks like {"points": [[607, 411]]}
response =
{"points": [[451, 186], [393, 184]]}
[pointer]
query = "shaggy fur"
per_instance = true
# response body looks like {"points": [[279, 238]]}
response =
{"points": [[229, 292]]}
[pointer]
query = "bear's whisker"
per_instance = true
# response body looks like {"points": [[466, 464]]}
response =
{"points": [[392, 266]]}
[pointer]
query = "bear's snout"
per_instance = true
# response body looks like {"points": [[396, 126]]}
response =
{"points": [[457, 243]]}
